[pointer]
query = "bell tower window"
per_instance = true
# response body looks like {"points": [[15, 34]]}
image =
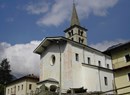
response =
{"points": [[81, 33], [80, 41], [69, 34], [72, 33], [78, 32]]}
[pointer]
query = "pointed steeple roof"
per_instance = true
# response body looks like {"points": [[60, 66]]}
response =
{"points": [[74, 18]]}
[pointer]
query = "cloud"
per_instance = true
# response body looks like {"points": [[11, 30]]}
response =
{"points": [[60, 10], [37, 8], [106, 44], [22, 59]]}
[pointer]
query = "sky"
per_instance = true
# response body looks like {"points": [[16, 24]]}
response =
{"points": [[25, 23]]}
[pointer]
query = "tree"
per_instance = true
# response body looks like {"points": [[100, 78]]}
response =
{"points": [[5, 75], [2, 89], [5, 71]]}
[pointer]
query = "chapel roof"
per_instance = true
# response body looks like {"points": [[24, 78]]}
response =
{"points": [[60, 39]]}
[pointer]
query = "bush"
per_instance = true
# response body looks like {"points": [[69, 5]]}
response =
{"points": [[53, 88]]}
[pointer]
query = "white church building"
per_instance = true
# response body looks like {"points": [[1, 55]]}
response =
{"points": [[70, 63]]}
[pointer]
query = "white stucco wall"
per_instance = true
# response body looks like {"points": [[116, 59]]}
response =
{"points": [[16, 88], [74, 73]]}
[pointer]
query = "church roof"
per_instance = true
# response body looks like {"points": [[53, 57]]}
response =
{"points": [[60, 39], [74, 18]]}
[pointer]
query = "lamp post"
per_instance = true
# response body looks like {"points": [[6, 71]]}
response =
{"points": [[60, 73]]}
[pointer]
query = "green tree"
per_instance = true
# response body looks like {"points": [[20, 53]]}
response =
{"points": [[5, 75], [5, 71], [2, 89]]}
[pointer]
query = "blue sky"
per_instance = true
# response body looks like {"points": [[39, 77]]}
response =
{"points": [[18, 25], [24, 23]]}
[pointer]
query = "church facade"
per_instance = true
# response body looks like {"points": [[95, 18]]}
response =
{"points": [[69, 62]]}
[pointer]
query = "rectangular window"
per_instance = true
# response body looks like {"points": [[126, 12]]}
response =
{"points": [[22, 87], [105, 81], [72, 33], [77, 57], [129, 76], [82, 40], [89, 60], [8, 91], [127, 57], [18, 88], [108, 66], [69, 34], [30, 86], [79, 40], [99, 63], [81, 33], [72, 39], [78, 32], [11, 90]]}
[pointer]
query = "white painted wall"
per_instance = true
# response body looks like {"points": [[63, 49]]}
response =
{"points": [[13, 88], [74, 73]]}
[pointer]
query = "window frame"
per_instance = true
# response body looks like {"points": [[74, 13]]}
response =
{"points": [[127, 57], [76, 56], [99, 63], [129, 77], [108, 66], [30, 86], [105, 81], [89, 60]]}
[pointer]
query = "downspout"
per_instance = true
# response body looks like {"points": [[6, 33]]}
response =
{"points": [[83, 55], [99, 78], [60, 80], [26, 88]]}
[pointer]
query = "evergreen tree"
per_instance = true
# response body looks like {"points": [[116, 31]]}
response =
{"points": [[5, 71], [5, 75]]}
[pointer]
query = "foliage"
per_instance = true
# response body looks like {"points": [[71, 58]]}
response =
{"points": [[1, 89], [5, 75], [53, 88], [5, 71]]}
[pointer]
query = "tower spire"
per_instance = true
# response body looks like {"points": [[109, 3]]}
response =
{"points": [[74, 18]]}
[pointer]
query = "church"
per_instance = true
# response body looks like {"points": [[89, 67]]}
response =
{"points": [[69, 62]]}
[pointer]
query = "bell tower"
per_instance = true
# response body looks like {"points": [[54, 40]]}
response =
{"points": [[75, 32]]}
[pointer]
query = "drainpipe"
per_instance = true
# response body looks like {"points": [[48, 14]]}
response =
{"points": [[99, 78], [60, 74], [83, 55]]}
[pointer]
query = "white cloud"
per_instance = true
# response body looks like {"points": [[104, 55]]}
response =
{"points": [[22, 59], [106, 44], [37, 8], [60, 10]]}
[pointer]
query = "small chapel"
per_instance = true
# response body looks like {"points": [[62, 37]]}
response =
{"points": [[69, 62]]}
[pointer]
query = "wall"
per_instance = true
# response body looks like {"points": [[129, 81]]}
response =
{"points": [[122, 68], [21, 91], [13, 88], [74, 74]]}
